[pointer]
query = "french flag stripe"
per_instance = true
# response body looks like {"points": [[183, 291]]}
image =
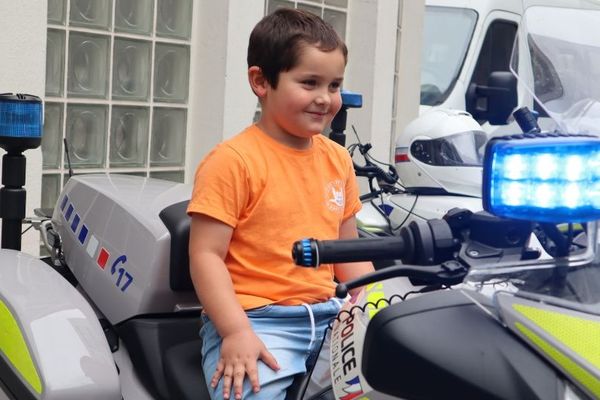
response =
{"points": [[64, 203], [103, 257], [83, 234], [69, 212], [92, 246], [75, 223]]}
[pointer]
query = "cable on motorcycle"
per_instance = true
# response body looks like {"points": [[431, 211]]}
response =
{"points": [[407, 215], [381, 303]]}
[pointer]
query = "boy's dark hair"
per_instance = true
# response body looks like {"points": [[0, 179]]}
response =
{"points": [[278, 38]]}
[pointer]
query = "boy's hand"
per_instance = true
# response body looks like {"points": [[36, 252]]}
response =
{"points": [[240, 352]]}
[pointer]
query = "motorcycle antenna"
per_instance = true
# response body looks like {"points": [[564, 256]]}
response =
{"points": [[68, 157]]}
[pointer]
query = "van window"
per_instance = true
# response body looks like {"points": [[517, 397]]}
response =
{"points": [[495, 55], [447, 33]]}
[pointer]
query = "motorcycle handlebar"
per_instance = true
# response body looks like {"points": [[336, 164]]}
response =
{"points": [[312, 252], [420, 242]]}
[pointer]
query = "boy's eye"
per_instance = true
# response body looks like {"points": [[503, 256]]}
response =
{"points": [[335, 85], [309, 82]]}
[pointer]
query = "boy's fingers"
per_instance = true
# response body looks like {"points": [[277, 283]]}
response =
{"points": [[218, 374], [238, 380], [268, 359], [227, 380], [252, 372]]}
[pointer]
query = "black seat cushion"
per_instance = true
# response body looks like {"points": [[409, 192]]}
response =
{"points": [[183, 371], [177, 222]]}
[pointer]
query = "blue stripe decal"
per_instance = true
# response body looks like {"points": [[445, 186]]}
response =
{"points": [[69, 212], [83, 234], [75, 223], [64, 203]]}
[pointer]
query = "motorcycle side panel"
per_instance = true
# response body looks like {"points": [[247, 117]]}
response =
{"points": [[70, 358], [370, 219], [116, 245], [444, 345], [338, 368]]}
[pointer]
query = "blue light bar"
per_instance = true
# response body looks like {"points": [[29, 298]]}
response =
{"points": [[545, 179], [20, 116]]}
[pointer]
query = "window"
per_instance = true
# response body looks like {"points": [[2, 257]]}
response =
{"points": [[117, 82], [447, 33], [332, 11]]}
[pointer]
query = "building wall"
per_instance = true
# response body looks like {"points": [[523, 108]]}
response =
{"points": [[23, 50]]}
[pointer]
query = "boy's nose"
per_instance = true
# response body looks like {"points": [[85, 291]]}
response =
{"points": [[323, 98]]}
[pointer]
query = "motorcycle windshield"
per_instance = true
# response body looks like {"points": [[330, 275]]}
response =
{"points": [[555, 58]]}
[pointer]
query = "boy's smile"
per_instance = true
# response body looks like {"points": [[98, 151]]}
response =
{"points": [[306, 99]]}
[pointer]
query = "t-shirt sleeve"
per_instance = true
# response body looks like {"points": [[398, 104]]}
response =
{"points": [[353, 204], [220, 186]]}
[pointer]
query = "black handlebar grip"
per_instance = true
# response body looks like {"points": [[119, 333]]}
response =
{"points": [[312, 253]]}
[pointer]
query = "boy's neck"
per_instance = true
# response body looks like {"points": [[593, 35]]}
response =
{"points": [[286, 139]]}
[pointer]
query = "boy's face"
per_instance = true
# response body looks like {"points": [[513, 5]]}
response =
{"points": [[307, 97]]}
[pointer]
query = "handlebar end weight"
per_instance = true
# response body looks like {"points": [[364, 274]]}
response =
{"points": [[304, 253], [341, 291]]}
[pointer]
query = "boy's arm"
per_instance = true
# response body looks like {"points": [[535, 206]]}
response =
{"points": [[241, 348], [347, 271]]}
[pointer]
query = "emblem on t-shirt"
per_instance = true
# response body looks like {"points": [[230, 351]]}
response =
{"points": [[334, 195]]}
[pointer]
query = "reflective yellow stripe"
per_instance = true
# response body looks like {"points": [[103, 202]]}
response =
{"points": [[574, 370], [374, 294], [12, 344], [580, 335]]}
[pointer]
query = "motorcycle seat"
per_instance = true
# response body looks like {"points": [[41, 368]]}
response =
{"points": [[183, 371], [177, 223]]}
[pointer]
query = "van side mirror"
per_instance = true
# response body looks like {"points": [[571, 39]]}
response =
{"points": [[494, 102]]}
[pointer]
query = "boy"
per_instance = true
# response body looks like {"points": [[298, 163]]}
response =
{"points": [[254, 195]]}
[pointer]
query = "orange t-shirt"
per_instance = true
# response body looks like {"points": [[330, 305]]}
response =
{"points": [[272, 196]]}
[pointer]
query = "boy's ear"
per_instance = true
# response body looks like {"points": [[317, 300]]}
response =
{"points": [[257, 80]]}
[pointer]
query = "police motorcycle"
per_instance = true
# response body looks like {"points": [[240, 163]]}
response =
{"points": [[517, 321]]}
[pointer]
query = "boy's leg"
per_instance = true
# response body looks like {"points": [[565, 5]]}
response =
{"points": [[287, 333], [273, 384]]}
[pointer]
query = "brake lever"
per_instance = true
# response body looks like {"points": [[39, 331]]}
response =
{"points": [[448, 273]]}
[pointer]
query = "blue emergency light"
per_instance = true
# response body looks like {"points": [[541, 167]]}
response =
{"points": [[21, 122], [544, 178]]}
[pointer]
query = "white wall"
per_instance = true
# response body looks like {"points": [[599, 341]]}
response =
{"points": [[371, 38], [23, 70], [222, 103], [410, 22]]}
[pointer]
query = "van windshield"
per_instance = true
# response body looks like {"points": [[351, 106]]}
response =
{"points": [[447, 33]]}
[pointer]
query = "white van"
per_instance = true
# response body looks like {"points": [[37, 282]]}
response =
{"points": [[465, 44]]}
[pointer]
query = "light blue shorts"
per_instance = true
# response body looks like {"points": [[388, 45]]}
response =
{"points": [[293, 334]]}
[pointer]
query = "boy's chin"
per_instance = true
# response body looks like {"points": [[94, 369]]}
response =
{"points": [[306, 133]]}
